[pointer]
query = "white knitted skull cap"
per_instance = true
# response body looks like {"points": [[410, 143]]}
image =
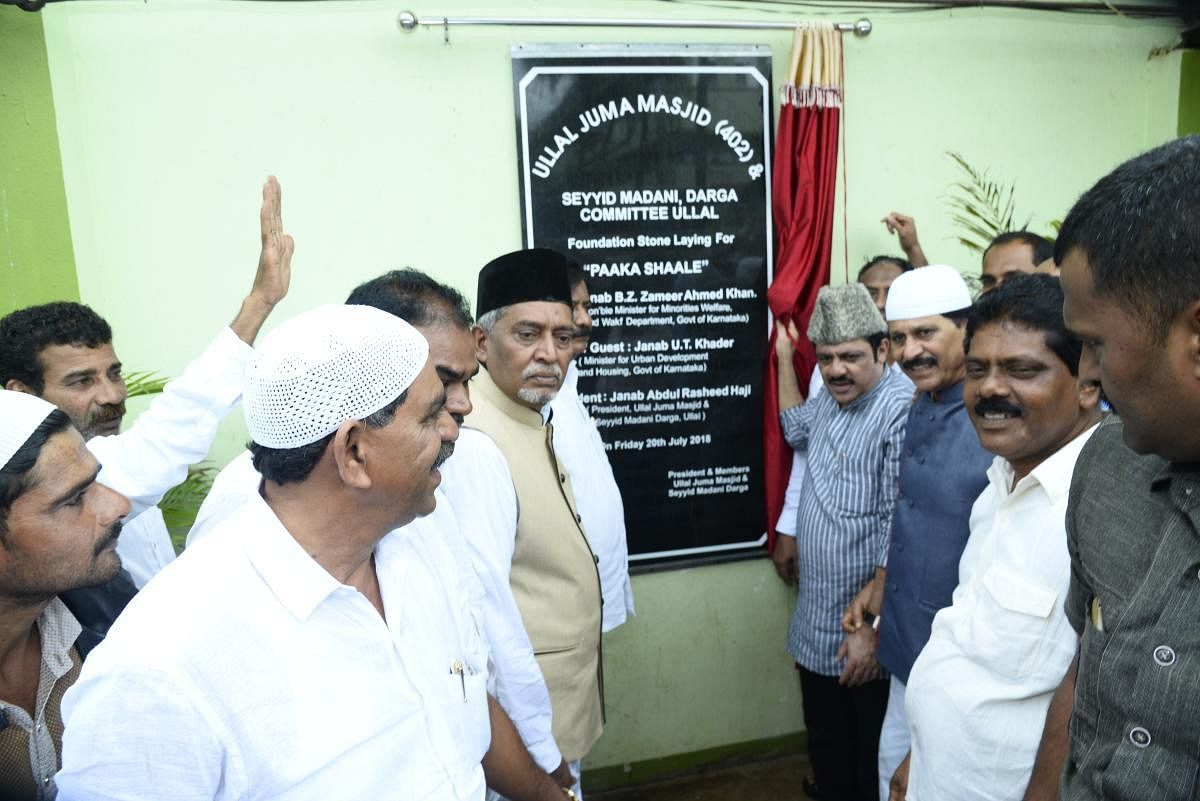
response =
{"points": [[21, 414], [927, 291], [326, 366]]}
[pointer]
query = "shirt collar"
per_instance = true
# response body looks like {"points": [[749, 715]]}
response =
{"points": [[58, 630], [865, 398], [951, 394], [485, 386], [1053, 474], [294, 577]]}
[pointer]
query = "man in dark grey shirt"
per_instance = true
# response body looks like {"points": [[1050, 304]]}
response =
{"points": [[1130, 258]]}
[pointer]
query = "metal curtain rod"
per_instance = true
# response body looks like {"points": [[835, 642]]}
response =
{"points": [[409, 21]]}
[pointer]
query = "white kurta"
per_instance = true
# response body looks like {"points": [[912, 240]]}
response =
{"points": [[246, 671], [480, 489], [978, 693], [174, 432], [578, 446]]}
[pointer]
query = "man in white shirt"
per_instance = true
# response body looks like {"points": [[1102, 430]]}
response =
{"points": [[483, 520], [63, 352], [580, 449], [979, 690], [58, 531], [306, 649]]}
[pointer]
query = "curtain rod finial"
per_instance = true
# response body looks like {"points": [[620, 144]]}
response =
{"points": [[408, 21], [862, 27]]}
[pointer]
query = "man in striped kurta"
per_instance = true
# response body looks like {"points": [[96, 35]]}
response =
{"points": [[853, 433]]}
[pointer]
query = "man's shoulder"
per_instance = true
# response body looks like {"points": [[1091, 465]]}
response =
{"points": [[194, 594], [897, 392], [1107, 466], [476, 456]]}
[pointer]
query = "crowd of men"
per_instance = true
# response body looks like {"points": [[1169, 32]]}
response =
{"points": [[399, 589], [995, 577]]}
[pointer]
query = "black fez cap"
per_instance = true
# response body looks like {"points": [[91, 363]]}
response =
{"points": [[522, 276]]}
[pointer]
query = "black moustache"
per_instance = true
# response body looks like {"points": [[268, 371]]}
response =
{"points": [[919, 362], [443, 454], [113, 532], [995, 405], [108, 413]]}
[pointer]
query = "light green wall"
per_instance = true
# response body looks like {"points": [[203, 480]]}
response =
{"points": [[395, 149], [36, 260]]}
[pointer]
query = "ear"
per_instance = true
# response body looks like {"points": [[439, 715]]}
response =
{"points": [[16, 385], [1191, 323], [885, 347], [1089, 394], [480, 344], [350, 454]]}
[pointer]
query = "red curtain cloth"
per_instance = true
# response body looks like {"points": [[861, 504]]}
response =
{"points": [[804, 174]]}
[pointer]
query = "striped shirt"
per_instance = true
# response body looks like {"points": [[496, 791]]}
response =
{"points": [[845, 507]]}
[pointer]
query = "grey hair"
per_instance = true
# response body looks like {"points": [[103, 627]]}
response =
{"points": [[487, 321]]}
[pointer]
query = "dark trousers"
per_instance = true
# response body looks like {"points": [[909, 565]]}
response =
{"points": [[843, 735]]}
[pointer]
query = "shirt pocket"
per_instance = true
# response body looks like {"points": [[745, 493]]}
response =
{"points": [[1011, 629], [468, 677]]}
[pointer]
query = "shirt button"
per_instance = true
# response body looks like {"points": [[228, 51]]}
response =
{"points": [[578, 519], [562, 478], [910, 503], [1139, 737], [595, 559], [899, 546], [920, 460], [46, 782], [1164, 655]]}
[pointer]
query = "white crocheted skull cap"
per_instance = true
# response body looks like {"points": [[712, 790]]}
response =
{"points": [[20, 415], [326, 366]]}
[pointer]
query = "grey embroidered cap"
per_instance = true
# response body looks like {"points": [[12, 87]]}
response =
{"points": [[842, 313]]}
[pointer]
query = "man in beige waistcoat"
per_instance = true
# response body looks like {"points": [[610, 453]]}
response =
{"points": [[523, 338]]}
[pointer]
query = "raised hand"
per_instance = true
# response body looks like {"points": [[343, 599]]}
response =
{"points": [[905, 229], [274, 274], [275, 260]]}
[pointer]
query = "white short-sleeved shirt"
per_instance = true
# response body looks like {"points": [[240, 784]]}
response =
{"points": [[245, 671], [979, 690]]}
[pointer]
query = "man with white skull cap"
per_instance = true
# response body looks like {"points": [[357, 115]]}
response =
{"points": [[943, 469], [301, 651], [851, 434], [58, 531]]}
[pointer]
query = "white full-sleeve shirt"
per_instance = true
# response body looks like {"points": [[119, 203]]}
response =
{"points": [[174, 432], [578, 446], [245, 671], [479, 486], [979, 690], [791, 496]]}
